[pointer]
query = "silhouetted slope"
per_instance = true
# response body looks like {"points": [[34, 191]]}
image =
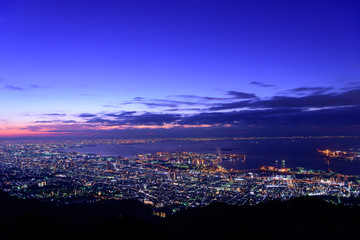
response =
{"points": [[25, 219], [302, 218]]}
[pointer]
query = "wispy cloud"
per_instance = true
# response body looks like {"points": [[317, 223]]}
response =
{"points": [[86, 115], [30, 87], [14, 88], [261, 84], [110, 106], [37, 86], [316, 100], [54, 114], [241, 95], [181, 101], [309, 90]]}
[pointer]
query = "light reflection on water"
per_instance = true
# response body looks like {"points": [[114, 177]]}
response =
{"points": [[270, 152]]}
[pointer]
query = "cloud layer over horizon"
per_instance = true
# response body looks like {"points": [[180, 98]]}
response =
{"points": [[321, 109]]}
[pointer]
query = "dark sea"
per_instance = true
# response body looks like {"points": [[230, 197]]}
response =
{"points": [[269, 152]]}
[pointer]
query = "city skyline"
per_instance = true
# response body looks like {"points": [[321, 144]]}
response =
{"points": [[185, 68]]}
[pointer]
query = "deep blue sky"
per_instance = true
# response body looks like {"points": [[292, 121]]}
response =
{"points": [[232, 67]]}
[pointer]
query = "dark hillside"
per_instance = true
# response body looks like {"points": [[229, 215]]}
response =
{"points": [[302, 218]]}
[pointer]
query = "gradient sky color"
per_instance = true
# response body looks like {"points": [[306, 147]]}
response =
{"points": [[176, 68]]}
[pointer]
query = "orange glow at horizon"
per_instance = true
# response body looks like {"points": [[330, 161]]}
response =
{"points": [[18, 132], [48, 129]]}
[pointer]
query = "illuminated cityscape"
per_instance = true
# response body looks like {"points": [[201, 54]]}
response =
{"points": [[168, 181], [341, 155]]}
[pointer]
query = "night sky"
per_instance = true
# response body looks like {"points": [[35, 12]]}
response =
{"points": [[132, 68]]}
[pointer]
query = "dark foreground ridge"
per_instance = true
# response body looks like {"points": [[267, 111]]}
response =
{"points": [[301, 218]]}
